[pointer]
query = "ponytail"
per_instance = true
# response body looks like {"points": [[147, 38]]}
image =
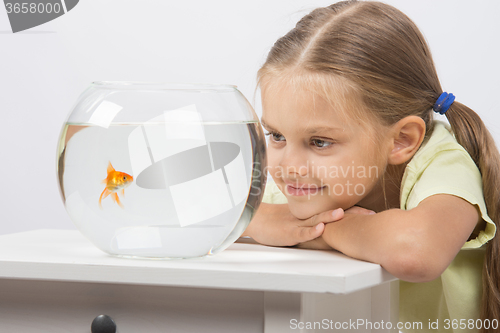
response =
{"points": [[473, 135]]}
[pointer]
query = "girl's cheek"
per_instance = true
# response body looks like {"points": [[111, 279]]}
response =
{"points": [[272, 162], [275, 172], [319, 171]]}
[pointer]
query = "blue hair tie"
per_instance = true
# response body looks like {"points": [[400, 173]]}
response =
{"points": [[444, 102]]}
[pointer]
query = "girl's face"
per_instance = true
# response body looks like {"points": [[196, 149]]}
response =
{"points": [[319, 159]]}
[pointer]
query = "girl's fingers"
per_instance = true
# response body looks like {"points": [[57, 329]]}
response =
{"points": [[304, 234], [325, 217], [332, 215], [314, 226], [359, 210]]}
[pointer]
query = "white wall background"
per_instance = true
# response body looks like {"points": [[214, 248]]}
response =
{"points": [[43, 70]]}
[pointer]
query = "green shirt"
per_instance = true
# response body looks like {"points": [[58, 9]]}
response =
{"points": [[440, 166]]}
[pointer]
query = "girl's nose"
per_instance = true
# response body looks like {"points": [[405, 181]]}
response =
{"points": [[294, 163]]}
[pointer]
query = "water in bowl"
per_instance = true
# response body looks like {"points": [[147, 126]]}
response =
{"points": [[191, 190]]}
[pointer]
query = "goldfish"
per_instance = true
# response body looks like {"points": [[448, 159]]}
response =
{"points": [[115, 181]]}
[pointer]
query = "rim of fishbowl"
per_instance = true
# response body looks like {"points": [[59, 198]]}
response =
{"points": [[145, 85]]}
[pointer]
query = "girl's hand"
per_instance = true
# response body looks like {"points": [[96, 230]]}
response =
{"points": [[274, 225], [319, 243], [359, 210]]}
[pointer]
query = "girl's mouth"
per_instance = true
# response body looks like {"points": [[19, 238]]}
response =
{"points": [[293, 191]]}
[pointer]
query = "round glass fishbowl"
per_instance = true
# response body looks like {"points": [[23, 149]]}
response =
{"points": [[159, 170]]}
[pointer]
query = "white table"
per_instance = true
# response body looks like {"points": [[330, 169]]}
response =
{"points": [[57, 281]]}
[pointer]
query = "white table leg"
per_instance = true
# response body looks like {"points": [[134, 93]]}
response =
{"points": [[385, 304]]}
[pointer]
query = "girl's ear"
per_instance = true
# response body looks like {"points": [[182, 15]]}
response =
{"points": [[408, 134]]}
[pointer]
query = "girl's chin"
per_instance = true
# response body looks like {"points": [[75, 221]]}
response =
{"points": [[304, 211]]}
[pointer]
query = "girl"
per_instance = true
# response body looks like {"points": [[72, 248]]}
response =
{"points": [[348, 100]]}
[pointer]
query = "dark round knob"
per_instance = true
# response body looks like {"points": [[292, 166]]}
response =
{"points": [[103, 324]]}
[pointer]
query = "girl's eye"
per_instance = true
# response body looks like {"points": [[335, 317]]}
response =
{"points": [[321, 143], [275, 136]]}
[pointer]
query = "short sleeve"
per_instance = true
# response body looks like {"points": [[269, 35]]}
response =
{"points": [[451, 172], [273, 195]]}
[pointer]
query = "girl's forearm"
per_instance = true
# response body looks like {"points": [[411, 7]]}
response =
{"points": [[388, 238]]}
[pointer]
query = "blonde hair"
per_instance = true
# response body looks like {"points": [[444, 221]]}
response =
{"points": [[379, 56]]}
